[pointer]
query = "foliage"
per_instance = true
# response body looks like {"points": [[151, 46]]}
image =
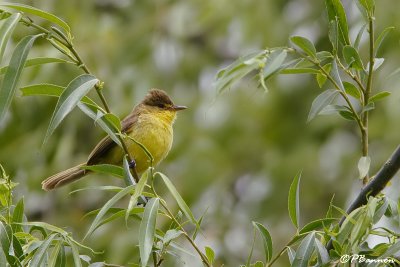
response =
{"points": [[345, 76], [352, 80]]}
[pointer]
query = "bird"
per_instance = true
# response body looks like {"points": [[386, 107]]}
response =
{"points": [[149, 123]]}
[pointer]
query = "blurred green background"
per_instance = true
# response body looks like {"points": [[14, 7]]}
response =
{"points": [[234, 155]]}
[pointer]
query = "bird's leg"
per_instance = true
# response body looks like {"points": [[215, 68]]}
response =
{"points": [[132, 164]]}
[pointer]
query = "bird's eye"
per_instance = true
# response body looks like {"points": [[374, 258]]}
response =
{"points": [[160, 105]]}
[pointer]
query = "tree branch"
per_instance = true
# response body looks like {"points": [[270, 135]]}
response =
{"points": [[376, 185]]}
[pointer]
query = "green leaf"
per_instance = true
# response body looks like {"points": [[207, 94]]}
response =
{"points": [[379, 96], [336, 12], [378, 62], [18, 215], [171, 235], [320, 102], [128, 177], [317, 224], [348, 115], [55, 255], [109, 169], [147, 230], [138, 192], [336, 77], [291, 253], [181, 202], [323, 256], [381, 37], [69, 98], [47, 226], [304, 252], [274, 63], [348, 225], [299, 71], [75, 253], [334, 35], [14, 71], [5, 241], [368, 6], [210, 254], [333, 109], [363, 166], [6, 31], [238, 69], [106, 207], [368, 107], [304, 44], [40, 13], [352, 90], [359, 36], [392, 250], [91, 112], [321, 77], [352, 58], [293, 200], [267, 240], [32, 62], [40, 255]]}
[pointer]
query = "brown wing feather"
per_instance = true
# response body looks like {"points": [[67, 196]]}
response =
{"points": [[101, 149]]}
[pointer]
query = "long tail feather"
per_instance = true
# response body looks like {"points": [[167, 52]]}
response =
{"points": [[64, 177]]}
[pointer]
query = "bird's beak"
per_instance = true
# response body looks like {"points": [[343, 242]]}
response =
{"points": [[177, 108]]}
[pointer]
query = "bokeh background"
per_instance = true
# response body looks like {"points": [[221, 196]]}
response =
{"points": [[234, 155]]}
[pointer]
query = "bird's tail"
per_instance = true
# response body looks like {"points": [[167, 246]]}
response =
{"points": [[64, 177]]}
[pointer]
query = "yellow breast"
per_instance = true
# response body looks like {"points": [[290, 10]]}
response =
{"points": [[152, 130]]}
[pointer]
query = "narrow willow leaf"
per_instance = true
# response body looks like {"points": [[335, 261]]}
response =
{"points": [[69, 98], [6, 31], [138, 193], [171, 235], [237, 70], [54, 255], [317, 224], [91, 112], [299, 71], [181, 202], [304, 44], [334, 35], [127, 190], [40, 13], [323, 255], [377, 63], [5, 241], [267, 240], [109, 169], [336, 76], [363, 166], [379, 96], [39, 256], [14, 72], [293, 201], [48, 89], [352, 58], [332, 109], [46, 226], [274, 63], [304, 252], [381, 37], [291, 253], [368, 5], [32, 62], [147, 230], [320, 102], [321, 77], [348, 115], [210, 254], [359, 36], [75, 253], [128, 177], [18, 215], [352, 90], [392, 250], [336, 11]]}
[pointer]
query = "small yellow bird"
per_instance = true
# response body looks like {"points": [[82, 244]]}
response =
{"points": [[149, 123]]}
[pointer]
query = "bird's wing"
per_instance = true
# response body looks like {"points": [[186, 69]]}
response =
{"points": [[102, 148]]}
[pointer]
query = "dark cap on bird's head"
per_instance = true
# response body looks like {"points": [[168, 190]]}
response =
{"points": [[159, 98]]}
